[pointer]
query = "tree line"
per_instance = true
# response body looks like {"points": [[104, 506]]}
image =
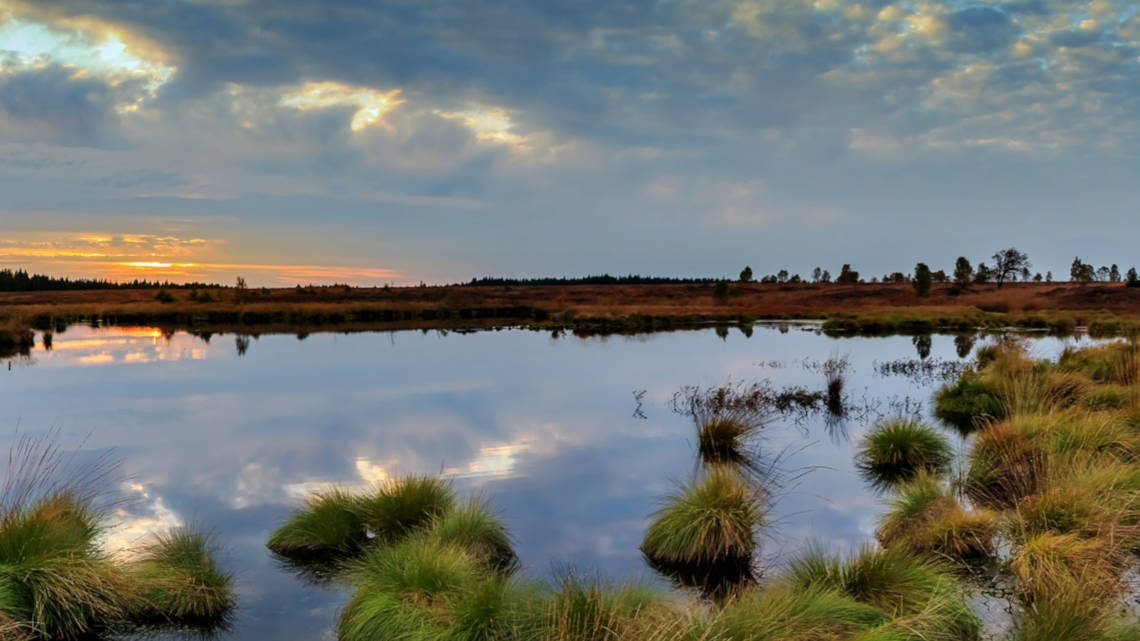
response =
{"points": [[22, 281], [1005, 266]]}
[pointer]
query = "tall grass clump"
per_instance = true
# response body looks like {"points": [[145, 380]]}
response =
{"points": [[786, 612], [904, 586], [727, 418], [404, 506], [925, 518], [706, 533], [181, 582], [330, 525], [337, 525], [968, 402], [895, 451], [56, 580], [474, 526]]}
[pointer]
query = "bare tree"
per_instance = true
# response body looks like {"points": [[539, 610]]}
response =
{"points": [[1008, 263]]}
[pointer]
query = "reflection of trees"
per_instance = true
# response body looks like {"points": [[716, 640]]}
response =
{"points": [[922, 345], [964, 344], [242, 344]]}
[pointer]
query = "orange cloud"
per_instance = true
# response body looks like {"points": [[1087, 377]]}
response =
{"points": [[166, 257]]}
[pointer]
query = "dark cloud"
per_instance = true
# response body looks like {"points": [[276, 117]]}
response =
{"points": [[979, 29], [54, 104]]}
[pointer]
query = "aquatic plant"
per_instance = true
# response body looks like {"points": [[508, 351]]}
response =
{"points": [[925, 518], [896, 450], [180, 581], [707, 531], [336, 524], [474, 526], [715, 518], [330, 525], [968, 402]]}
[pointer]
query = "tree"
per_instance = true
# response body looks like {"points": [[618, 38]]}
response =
{"points": [[922, 279], [847, 275], [963, 273], [816, 274], [826, 277], [1008, 263], [782, 276], [1102, 274], [1133, 278], [1037, 277], [1081, 272], [982, 273], [746, 274], [1025, 274], [1048, 277], [1114, 273], [940, 276]]}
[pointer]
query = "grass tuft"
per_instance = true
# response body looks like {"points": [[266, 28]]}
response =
{"points": [[895, 451]]}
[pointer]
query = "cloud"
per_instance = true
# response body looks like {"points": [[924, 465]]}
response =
{"points": [[468, 132]]}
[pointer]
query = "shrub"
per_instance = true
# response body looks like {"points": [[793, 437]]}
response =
{"points": [[896, 450]]}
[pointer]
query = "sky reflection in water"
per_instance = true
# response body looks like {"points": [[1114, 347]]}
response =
{"points": [[544, 427]]}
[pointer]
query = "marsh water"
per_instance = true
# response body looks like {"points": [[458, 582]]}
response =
{"points": [[572, 439]]}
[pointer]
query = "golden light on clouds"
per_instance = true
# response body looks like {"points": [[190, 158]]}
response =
{"points": [[488, 124], [371, 105], [90, 49]]}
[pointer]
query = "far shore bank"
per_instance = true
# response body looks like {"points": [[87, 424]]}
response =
{"points": [[861, 308]]}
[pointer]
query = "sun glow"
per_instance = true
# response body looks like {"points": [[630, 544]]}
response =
{"points": [[371, 105]]}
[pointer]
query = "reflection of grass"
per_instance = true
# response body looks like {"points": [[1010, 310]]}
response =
{"points": [[894, 451]]}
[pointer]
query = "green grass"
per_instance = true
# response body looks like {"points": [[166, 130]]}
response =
{"points": [[181, 583], [1109, 397], [784, 612], [330, 525], [968, 403], [713, 520], [724, 440], [336, 525], [403, 506], [474, 526], [925, 518], [895, 451], [55, 578]]}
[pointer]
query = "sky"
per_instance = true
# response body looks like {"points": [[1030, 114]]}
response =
{"points": [[294, 141]]}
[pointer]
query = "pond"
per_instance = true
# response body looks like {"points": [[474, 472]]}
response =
{"points": [[572, 439]]}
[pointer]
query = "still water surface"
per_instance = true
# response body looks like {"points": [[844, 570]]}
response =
{"points": [[230, 433]]}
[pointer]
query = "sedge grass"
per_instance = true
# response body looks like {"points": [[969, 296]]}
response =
{"points": [[895, 451], [705, 535], [181, 583]]}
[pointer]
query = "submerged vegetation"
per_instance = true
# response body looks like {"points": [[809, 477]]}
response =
{"points": [[56, 580]]}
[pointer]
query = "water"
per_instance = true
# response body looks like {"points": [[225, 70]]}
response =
{"points": [[546, 428]]}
